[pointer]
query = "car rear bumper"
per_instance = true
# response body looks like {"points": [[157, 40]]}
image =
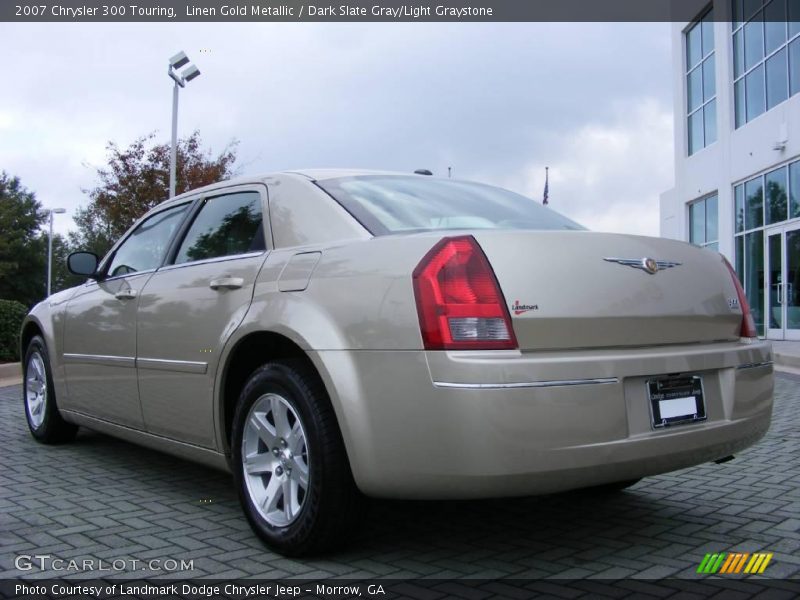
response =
{"points": [[494, 424]]}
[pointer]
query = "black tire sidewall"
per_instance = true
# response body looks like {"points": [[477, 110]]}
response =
{"points": [[282, 380]]}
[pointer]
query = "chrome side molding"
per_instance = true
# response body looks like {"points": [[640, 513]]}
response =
{"points": [[160, 364]]}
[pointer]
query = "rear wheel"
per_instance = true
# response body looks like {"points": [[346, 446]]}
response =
{"points": [[39, 397], [289, 461]]}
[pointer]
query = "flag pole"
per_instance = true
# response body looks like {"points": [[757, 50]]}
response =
{"points": [[546, 195]]}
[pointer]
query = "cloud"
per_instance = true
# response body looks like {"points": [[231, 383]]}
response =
{"points": [[496, 101], [608, 175]]}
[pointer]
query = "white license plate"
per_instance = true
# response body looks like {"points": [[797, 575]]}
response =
{"points": [[676, 400]]}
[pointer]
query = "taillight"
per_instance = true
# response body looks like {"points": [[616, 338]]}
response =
{"points": [[459, 302], [748, 329]]}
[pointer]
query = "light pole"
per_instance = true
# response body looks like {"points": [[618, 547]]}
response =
{"points": [[52, 211], [180, 79]]}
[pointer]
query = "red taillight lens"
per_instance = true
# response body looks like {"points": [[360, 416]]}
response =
{"points": [[748, 329], [459, 303]]}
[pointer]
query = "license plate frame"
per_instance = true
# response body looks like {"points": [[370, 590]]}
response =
{"points": [[676, 400]]}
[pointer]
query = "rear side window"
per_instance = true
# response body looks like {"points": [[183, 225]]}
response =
{"points": [[386, 204], [225, 226]]}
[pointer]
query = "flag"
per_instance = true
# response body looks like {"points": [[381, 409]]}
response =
{"points": [[546, 195]]}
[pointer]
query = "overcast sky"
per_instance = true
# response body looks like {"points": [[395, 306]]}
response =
{"points": [[497, 102]]}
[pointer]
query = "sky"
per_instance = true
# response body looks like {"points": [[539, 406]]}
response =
{"points": [[497, 102]]}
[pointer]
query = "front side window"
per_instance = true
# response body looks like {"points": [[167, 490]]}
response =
{"points": [[701, 88], [225, 226], [766, 55], [703, 223], [144, 249], [386, 204]]}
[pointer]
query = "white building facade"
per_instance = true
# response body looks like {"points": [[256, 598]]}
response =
{"points": [[737, 150]]}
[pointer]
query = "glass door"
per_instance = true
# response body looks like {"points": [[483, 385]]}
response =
{"points": [[782, 289], [791, 286], [774, 284]]}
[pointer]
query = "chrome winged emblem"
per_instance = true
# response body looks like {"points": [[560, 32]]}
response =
{"points": [[650, 265]]}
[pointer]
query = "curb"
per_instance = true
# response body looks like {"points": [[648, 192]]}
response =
{"points": [[786, 360], [10, 370]]}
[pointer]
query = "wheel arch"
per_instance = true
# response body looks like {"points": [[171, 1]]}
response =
{"points": [[245, 356], [30, 329]]}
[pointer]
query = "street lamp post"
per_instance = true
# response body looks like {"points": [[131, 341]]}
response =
{"points": [[180, 79], [52, 211]]}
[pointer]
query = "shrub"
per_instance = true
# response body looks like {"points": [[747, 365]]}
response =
{"points": [[12, 314]]}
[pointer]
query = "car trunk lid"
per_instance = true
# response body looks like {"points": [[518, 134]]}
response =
{"points": [[568, 289]]}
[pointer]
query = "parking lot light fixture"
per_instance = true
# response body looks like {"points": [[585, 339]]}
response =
{"points": [[51, 212], [191, 72]]}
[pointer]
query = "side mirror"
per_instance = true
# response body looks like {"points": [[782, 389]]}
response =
{"points": [[83, 263]]}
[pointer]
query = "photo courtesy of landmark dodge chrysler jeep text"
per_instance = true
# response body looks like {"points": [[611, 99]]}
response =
{"points": [[328, 334]]}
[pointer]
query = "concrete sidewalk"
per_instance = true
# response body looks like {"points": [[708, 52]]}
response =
{"points": [[10, 374], [787, 355]]}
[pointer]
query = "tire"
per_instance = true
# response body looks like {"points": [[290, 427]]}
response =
{"points": [[39, 397], [298, 491]]}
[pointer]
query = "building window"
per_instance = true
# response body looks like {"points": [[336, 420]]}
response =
{"points": [[701, 88], [766, 55], [703, 223], [759, 203]]}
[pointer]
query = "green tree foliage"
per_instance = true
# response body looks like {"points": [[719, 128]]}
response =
{"points": [[12, 314], [23, 250], [62, 278], [136, 178]]}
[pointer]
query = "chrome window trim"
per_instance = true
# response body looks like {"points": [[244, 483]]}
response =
{"points": [[216, 259], [527, 384], [162, 364]]}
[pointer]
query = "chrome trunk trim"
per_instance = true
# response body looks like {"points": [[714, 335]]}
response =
{"points": [[527, 384]]}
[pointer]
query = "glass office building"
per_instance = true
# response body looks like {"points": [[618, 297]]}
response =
{"points": [[737, 149]]}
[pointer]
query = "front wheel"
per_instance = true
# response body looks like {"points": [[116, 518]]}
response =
{"points": [[289, 461], [39, 397]]}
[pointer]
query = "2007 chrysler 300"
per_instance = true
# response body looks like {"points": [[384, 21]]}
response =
{"points": [[324, 334]]}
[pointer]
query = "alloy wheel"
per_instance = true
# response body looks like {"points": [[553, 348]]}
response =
{"points": [[275, 459], [36, 389]]}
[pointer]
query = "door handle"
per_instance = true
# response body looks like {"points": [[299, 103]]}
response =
{"points": [[227, 283], [125, 295], [780, 293]]}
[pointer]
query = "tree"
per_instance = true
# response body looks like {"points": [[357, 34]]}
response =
{"points": [[62, 278], [22, 248], [136, 179]]}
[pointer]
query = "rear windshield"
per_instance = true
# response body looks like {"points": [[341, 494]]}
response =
{"points": [[387, 204]]}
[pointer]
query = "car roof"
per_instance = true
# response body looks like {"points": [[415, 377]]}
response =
{"points": [[309, 174]]}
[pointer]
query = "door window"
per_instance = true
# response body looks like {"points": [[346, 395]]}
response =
{"points": [[225, 226], [144, 249]]}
